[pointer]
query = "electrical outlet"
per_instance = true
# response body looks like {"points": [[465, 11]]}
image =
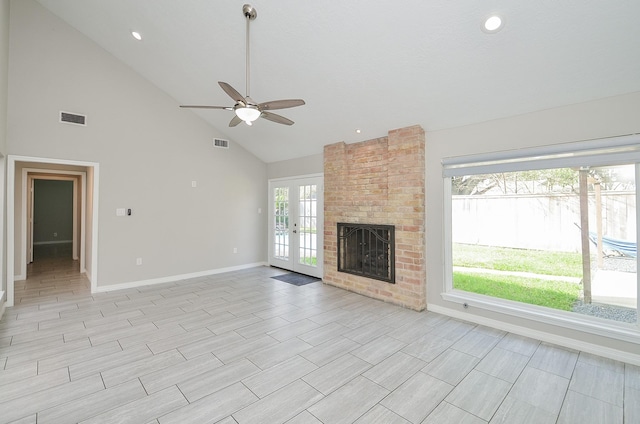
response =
{"points": [[138, 261], [235, 250], [55, 234]]}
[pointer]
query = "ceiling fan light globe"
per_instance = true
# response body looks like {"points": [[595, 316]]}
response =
{"points": [[248, 114]]}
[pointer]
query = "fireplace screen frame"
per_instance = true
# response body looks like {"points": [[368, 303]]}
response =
{"points": [[383, 246]]}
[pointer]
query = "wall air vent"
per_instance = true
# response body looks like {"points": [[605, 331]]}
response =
{"points": [[218, 142], [73, 118]]}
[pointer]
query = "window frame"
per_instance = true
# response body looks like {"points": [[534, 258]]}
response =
{"points": [[602, 152]]}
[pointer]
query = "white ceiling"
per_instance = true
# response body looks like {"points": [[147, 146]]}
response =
{"points": [[373, 65]]}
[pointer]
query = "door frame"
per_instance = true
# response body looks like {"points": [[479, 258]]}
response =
{"points": [[79, 179], [318, 271], [90, 200]]}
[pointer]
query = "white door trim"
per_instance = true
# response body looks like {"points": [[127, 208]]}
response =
{"points": [[11, 177]]}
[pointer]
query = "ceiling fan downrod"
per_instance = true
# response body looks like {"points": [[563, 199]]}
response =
{"points": [[250, 13]]}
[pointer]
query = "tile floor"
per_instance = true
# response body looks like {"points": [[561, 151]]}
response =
{"points": [[242, 348]]}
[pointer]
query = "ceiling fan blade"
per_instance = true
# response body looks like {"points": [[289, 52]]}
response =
{"points": [[232, 92], [235, 121], [276, 118], [281, 104], [206, 107]]}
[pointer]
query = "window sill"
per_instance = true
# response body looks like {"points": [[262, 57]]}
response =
{"points": [[616, 330]]}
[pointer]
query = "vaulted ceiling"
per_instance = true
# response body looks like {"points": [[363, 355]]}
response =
{"points": [[369, 65]]}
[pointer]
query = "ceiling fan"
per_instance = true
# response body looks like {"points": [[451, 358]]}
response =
{"points": [[245, 108]]}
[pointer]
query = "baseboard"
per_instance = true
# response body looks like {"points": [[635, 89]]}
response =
{"points": [[19, 277], [39, 243], [570, 343], [172, 278]]}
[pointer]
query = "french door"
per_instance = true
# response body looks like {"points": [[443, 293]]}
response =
{"points": [[296, 225]]}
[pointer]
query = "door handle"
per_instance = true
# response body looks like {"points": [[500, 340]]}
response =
{"points": [[295, 231]]}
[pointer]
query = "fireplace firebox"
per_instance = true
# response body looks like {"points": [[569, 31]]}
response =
{"points": [[367, 250]]}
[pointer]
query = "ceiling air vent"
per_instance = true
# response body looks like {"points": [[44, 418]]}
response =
{"points": [[218, 142], [73, 118]]}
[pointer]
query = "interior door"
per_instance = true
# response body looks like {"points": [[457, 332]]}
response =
{"points": [[296, 225]]}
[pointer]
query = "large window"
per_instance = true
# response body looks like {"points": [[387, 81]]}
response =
{"points": [[552, 230]]}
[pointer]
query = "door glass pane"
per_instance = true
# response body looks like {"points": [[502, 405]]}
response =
{"points": [[308, 225], [281, 223], [562, 238]]}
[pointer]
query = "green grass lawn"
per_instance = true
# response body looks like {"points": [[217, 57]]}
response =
{"points": [[552, 294], [549, 293], [568, 264]]}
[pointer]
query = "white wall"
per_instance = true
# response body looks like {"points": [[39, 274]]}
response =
{"points": [[598, 119], [293, 167], [4, 88], [149, 151]]}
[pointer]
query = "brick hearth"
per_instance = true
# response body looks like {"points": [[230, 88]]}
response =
{"points": [[379, 181]]}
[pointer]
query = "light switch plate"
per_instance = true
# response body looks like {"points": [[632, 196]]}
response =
{"points": [[121, 212]]}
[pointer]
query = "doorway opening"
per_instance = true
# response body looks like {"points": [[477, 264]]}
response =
{"points": [[51, 223]]}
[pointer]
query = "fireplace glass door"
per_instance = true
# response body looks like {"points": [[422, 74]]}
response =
{"points": [[295, 230]]}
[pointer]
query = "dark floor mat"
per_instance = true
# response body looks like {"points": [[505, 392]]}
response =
{"points": [[296, 279]]}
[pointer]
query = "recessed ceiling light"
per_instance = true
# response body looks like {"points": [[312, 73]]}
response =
{"points": [[358, 131], [492, 24], [136, 35]]}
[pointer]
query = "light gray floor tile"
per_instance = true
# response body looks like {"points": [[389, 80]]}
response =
{"points": [[324, 333], [142, 410], [307, 341], [292, 330], [242, 348], [597, 382], [336, 373], [581, 409], [378, 349], [445, 413], [631, 405], [330, 350], [349, 402], [163, 378], [541, 389], [63, 360], [21, 356], [12, 375], [272, 355], [134, 369], [417, 397], [279, 406], [212, 408], [150, 336], [480, 394], [208, 345], [632, 376], [26, 420], [93, 404], [26, 386], [302, 418], [45, 399], [216, 379], [599, 361], [554, 359], [475, 343], [381, 415], [108, 361], [451, 366], [394, 370], [504, 364], [513, 410], [179, 340], [274, 378], [427, 348]]}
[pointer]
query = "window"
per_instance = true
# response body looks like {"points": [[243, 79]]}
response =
{"points": [[548, 232]]}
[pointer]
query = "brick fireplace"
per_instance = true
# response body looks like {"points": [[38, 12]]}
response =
{"points": [[379, 182]]}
